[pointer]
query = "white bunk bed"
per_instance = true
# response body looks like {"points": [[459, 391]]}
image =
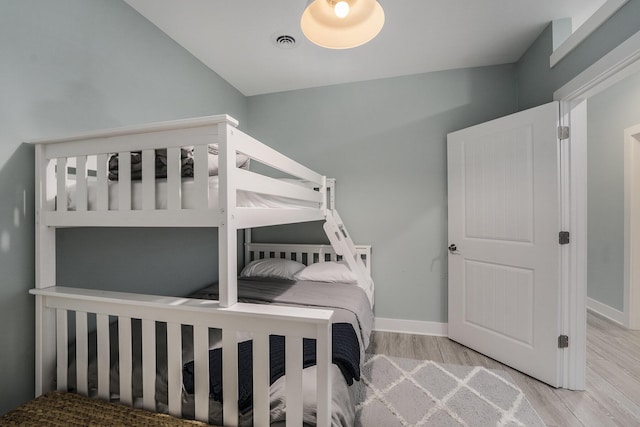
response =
{"points": [[73, 190]]}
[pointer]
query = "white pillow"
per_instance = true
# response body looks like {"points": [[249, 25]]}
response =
{"points": [[328, 272], [272, 267]]}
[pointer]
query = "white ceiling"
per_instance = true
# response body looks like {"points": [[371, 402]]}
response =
{"points": [[234, 38]]}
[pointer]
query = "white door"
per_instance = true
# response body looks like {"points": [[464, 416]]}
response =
{"points": [[504, 258]]}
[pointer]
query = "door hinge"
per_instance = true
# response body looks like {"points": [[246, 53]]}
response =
{"points": [[563, 237], [563, 132], [563, 341]]}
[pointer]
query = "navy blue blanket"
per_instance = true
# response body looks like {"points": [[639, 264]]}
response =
{"points": [[346, 356]]}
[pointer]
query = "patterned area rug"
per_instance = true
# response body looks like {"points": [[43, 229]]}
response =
{"points": [[407, 392]]}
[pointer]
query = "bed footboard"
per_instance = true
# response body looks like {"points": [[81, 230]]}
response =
{"points": [[99, 309]]}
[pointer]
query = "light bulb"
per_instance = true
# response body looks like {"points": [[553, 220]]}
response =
{"points": [[341, 9]]}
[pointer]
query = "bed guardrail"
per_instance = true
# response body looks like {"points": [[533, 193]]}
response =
{"points": [[261, 320], [77, 167]]}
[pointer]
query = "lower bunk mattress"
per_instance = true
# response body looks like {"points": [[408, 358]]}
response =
{"points": [[352, 324], [61, 409]]}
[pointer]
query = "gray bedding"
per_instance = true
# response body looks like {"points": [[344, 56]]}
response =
{"points": [[349, 302], [350, 305]]}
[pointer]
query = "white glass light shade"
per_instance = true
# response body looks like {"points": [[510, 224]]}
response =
{"points": [[321, 25]]}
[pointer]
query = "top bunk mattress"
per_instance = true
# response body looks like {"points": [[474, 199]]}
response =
{"points": [[188, 196]]}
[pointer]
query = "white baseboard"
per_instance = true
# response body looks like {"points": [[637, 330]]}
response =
{"points": [[439, 329], [417, 327], [607, 311]]}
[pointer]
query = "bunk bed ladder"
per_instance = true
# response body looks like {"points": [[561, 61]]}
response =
{"points": [[343, 245]]}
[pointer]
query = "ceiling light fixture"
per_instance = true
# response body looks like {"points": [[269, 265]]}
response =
{"points": [[342, 24]]}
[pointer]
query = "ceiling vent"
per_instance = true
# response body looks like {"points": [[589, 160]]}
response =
{"points": [[284, 41]]}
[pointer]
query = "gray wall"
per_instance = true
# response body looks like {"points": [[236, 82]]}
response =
{"points": [[385, 143], [537, 81], [70, 66], [609, 114]]}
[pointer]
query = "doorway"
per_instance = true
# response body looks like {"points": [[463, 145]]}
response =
{"points": [[620, 63], [613, 166], [632, 225], [613, 183]]}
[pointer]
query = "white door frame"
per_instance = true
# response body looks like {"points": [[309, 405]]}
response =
{"points": [[631, 308], [621, 62]]}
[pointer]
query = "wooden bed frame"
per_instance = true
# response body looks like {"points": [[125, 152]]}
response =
{"points": [[53, 302]]}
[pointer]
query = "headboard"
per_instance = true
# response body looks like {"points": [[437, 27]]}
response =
{"points": [[306, 254]]}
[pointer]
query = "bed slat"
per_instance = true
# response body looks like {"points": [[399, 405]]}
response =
{"points": [[201, 176], [62, 338], [148, 180], [45, 180], [323, 378], [81, 183], [124, 181], [102, 192], [82, 356], [251, 181], [174, 368], [148, 364], [174, 199], [229, 378], [261, 378], [293, 378], [61, 179], [124, 345], [103, 355], [262, 217], [201, 372]]}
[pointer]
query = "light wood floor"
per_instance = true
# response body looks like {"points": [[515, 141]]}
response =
{"points": [[612, 397]]}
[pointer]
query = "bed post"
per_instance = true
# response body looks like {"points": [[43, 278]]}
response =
{"points": [[227, 232], [45, 275]]}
